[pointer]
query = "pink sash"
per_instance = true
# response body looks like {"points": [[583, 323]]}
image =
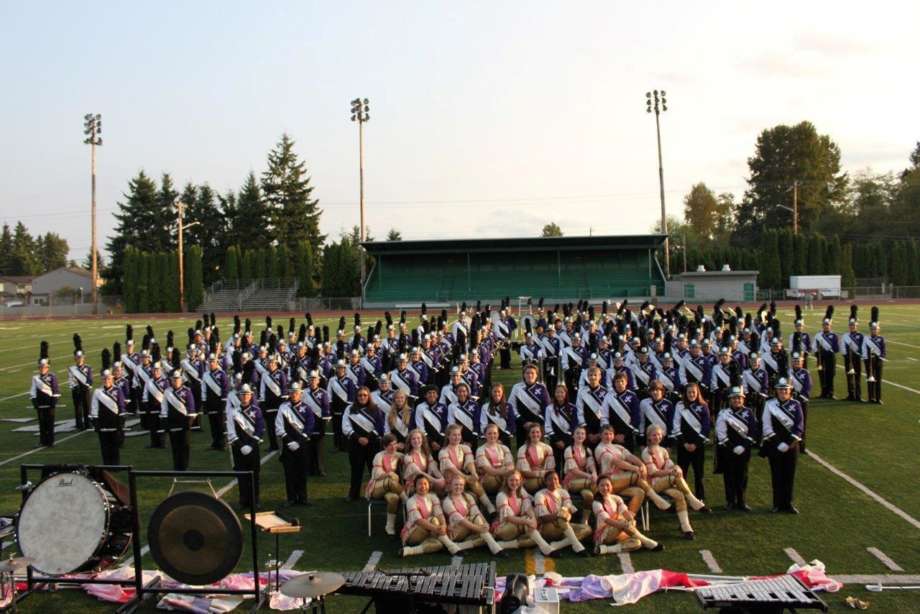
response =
{"points": [[451, 454], [492, 457], [422, 510], [550, 502], [460, 507], [532, 459]]}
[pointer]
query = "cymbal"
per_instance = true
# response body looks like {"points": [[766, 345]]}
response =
{"points": [[17, 564], [311, 585]]}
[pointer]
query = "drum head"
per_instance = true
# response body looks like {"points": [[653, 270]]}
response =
{"points": [[195, 538], [62, 523]]}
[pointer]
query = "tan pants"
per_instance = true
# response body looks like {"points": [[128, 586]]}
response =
{"points": [[670, 486], [627, 541], [459, 533], [491, 483], [420, 536], [532, 485], [555, 529], [389, 489]]}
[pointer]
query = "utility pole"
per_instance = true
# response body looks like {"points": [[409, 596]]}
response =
{"points": [[652, 100], [360, 114], [795, 208], [180, 207], [92, 128], [685, 251]]}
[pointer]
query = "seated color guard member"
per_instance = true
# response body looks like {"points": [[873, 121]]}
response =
{"points": [[580, 471], [783, 427], [690, 430], [294, 426], [362, 428], [667, 478], [591, 406], [499, 412], [399, 417], [554, 511], [425, 530], [494, 461], [516, 525], [106, 413], [457, 459], [626, 471], [736, 432], [431, 418], [622, 406], [384, 483], [534, 459], [245, 430], [657, 409], [176, 416], [528, 398], [615, 528], [466, 525], [418, 460], [561, 422], [464, 412]]}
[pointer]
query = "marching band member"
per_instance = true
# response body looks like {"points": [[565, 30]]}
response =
{"points": [[669, 376], [494, 461], [295, 424], [516, 525], [245, 430], [667, 478], [561, 421], [405, 379], [852, 343], [783, 427], [457, 459], [466, 525], [615, 529], [725, 374], [591, 406], [384, 483], [152, 400], [431, 418], [622, 410], [656, 409], [535, 458], [554, 511], [579, 470], [273, 391], [449, 390], [399, 419], [756, 383], [383, 395], [80, 379], [691, 427], [362, 428], [177, 412], [800, 341], [528, 398], [214, 400], [45, 394], [418, 460], [108, 419], [498, 411], [874, 353], [464, 412], [317, 399], [425, 530], [736, 432], [626, 471], [341, 391], [827, 346], [800, 379]]}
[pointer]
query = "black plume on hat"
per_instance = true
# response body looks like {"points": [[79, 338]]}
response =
{"points": [[829, 313], [43, 350], [106, 359], [129, 332], [77, 343], [309, 318], [116, 351], [291, 325], [874, 314], [169, 339]]}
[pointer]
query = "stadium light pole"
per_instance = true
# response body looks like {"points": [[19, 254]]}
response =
{"points": [[360, 113], [656, 101], [180, 212], [92, 128]]}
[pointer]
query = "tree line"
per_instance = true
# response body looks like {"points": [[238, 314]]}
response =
{"points": [[23, 254]]}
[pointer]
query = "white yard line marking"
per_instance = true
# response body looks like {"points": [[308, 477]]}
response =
{"points": [[14, 396], [865, 489], [912, 359], [895, 384], [456, 561], [710, 561], [883, 579], [34, 450], [885, 559], [626, 562], [539, 563], [292, 560], [372, 560], [910, 345], [794, 556]]}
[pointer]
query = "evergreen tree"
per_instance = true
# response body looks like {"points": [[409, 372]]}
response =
{"points": [[342, 268], [129, 282], [898, 267], [51, 252], [231, 271], [252, 213], [143, 277], [6, 250], [394, 235], [154, 283], [163, 236], [800, 265], [171, 288], [847, 276], [272, 268], [283, 257], [247, 267], [293, 214], [208, 230], [832, 263], [770, 268], [164, 280], [815, 255], [23, 260], [194, 278], [135, 218], [786, 253], [303, 268]]}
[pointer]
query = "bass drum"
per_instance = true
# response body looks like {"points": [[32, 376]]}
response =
{"points": [[72, 523]]}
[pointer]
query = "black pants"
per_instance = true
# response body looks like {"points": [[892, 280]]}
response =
{"points": [[216, 423], [854, 384], [782, 475], [828, 365], [178, 444], [874, 389], [315, 463], [270, 415], [110, 444], [295, 474], [247, 462], [152, 419], [46, 425], [735, 476], [360, 458], [80, 397], [804, 404], [559, 455], [504, 357], [337, 439], [695, 459]]}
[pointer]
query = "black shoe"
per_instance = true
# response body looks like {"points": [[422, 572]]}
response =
{"points": [[689, 535], [743, 507], [586, 553], [775, 510], [729, 506], [791, 510], [658, 548], [555, 554], [350, 498], [705, 510], [502, 554]]}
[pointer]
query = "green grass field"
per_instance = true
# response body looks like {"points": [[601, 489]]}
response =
{"points": [[875, 445]]}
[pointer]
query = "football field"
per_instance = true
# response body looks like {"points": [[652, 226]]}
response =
{"points": [[858, 490]]}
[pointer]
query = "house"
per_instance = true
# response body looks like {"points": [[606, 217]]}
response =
{"points": [[15, 289], [63, 285], [703, 285]]}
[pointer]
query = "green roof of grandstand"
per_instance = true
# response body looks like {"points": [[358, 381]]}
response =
{"points": [[650, 241]]}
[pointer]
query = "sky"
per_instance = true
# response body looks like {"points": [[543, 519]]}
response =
{"points": [[487, 119]]}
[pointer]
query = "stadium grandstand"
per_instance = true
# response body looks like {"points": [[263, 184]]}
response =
{"points": [[556, 268]]}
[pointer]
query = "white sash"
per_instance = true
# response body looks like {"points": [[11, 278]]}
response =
{"points": [[130, 365], [639, 372], [339, 390], [667, 381], [737, 425], [369, 367], [154, 390], [106, 400], [190, 369], [779, 412], [244, 422], [174, 401], [141, 372], [464, 417], [824, 343], [351, 374], [752, 381], [559, 420], [212, 384], [310, 402], [873, 346], [768, 358], [722, 375], [654, 417], [233, 399], [77, 374], [401, 427], [694, 370], [263, 371], [450, 395], [796, 383], [529, 402], [850, 343], [498, 420], [362, 421], [397, 380], [427, 359], [292, 417], [591, 401], [433, 419], [381, 402], [620, 410], [42, 386], [574, 356], [691, 419]]}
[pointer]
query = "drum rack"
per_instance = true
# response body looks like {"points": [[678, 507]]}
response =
{"points": [[153, 587]]}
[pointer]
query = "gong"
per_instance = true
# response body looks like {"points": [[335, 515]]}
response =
{"points": [[195, 538]]}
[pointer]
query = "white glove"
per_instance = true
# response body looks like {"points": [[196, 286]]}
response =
{"points": [[739, 450], [783, 447], [246, 450], [293, 446]]}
